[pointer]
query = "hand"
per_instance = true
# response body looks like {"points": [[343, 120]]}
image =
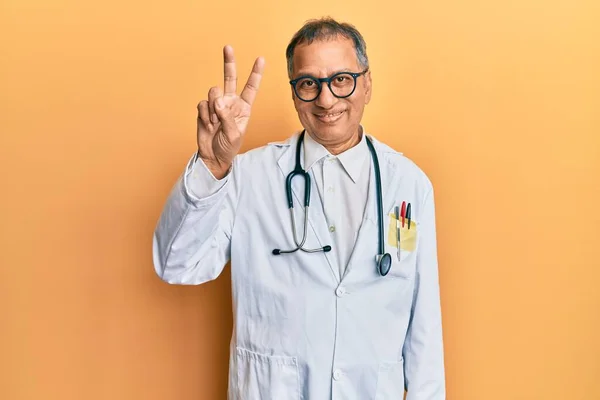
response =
{"points": [[223, 118]]}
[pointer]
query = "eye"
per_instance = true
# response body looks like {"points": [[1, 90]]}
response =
{"points": [[306, 84], [341, 78]]}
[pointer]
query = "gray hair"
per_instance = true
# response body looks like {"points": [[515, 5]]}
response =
{"points": [[324, 29]]}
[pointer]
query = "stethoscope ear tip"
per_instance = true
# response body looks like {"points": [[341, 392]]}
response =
{"points": [[327, 248], [276, 252]]}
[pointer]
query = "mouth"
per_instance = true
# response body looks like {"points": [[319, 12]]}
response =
{"points": [[331, 117]]}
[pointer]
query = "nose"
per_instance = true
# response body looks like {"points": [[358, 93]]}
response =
{"points": [[326, 99]]}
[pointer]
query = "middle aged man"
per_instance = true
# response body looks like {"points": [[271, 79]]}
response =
{"points": [[335, 290]]}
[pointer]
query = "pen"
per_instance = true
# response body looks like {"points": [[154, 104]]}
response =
{"points": [[398, 231], [408, 215], [403, 212]]}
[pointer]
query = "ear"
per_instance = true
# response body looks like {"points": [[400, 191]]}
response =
{"points": [[368, 87]]}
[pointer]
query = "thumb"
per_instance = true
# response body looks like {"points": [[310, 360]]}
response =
{"points": [[226, 118]]}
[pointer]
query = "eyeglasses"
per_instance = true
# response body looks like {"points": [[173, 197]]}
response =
{"points": [[341, 84]]}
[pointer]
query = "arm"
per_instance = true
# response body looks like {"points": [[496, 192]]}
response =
{"points": [[191, 243], [423, 350], [192, 239]]}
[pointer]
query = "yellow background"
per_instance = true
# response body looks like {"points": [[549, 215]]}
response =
{"points": [[498, 101]]}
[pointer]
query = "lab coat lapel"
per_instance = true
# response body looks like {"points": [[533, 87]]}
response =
{"points": [[316, 217]]}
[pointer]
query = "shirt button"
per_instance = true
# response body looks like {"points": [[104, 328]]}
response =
{"points": [[332, 228], [340, 291], [337, 374], [330, 188]]}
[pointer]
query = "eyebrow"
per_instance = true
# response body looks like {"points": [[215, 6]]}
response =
{"points": [[333, 73]]}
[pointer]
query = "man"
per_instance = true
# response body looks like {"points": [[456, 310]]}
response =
{"points": [[334, 299]]}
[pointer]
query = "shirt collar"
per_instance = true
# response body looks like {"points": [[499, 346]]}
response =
{"points": [[313, 151], [352, 159]]}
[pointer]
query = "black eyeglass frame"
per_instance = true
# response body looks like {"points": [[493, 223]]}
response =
{"points": [[320, 82]]}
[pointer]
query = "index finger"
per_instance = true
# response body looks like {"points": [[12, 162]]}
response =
{"points": [[251, 88], [230, 84]]}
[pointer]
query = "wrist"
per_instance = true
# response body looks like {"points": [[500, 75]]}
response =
{"points": [[218, 170]]}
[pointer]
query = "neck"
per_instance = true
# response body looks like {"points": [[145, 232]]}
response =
{"points": [[339, 146]]}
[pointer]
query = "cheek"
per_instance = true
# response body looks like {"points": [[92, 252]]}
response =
{"points": [[304, 110], [355, 107]]}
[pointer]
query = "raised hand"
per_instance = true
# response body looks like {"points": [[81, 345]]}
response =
{"points": [[223, 118]]}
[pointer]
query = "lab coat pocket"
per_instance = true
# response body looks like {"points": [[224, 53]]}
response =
{"points": [[403, 260], [262, 376], [390, 381], [408, 235]]}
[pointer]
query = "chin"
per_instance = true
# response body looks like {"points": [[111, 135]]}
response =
{"points": [[326, 131]]}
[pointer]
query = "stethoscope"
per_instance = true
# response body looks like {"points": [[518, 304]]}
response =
{"points": [[383, 259]]}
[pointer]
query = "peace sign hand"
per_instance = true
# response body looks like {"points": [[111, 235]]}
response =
{"points": [[223, 118]]}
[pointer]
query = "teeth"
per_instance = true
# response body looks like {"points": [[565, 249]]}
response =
{"points": [[331, 115]]}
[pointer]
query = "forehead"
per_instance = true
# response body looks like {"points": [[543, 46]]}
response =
{"points": [[322, 58]]}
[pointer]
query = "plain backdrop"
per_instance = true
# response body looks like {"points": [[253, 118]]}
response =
{"points": [[497, 101]]}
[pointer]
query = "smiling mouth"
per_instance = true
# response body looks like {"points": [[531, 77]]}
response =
{"points": [[330, 117]]}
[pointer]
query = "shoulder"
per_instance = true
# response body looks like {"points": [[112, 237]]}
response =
{"points": [[398, 163], [267, 153]]}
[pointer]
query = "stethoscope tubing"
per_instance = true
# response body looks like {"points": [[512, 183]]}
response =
{"points": [[383, 259]]}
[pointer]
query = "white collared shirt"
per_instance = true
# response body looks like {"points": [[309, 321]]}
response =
{"points": [[342, 182]]}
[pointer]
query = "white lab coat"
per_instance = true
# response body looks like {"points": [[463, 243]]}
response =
{"points": [[300, 330]]}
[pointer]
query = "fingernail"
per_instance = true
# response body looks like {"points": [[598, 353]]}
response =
{"points": [[213, 118]]}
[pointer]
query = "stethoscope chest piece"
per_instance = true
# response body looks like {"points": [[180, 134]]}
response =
{"points": [[384, 263]]}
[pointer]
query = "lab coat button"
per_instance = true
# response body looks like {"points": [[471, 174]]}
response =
{"points": [[337, 374], [332, 228], [340, 291]]}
